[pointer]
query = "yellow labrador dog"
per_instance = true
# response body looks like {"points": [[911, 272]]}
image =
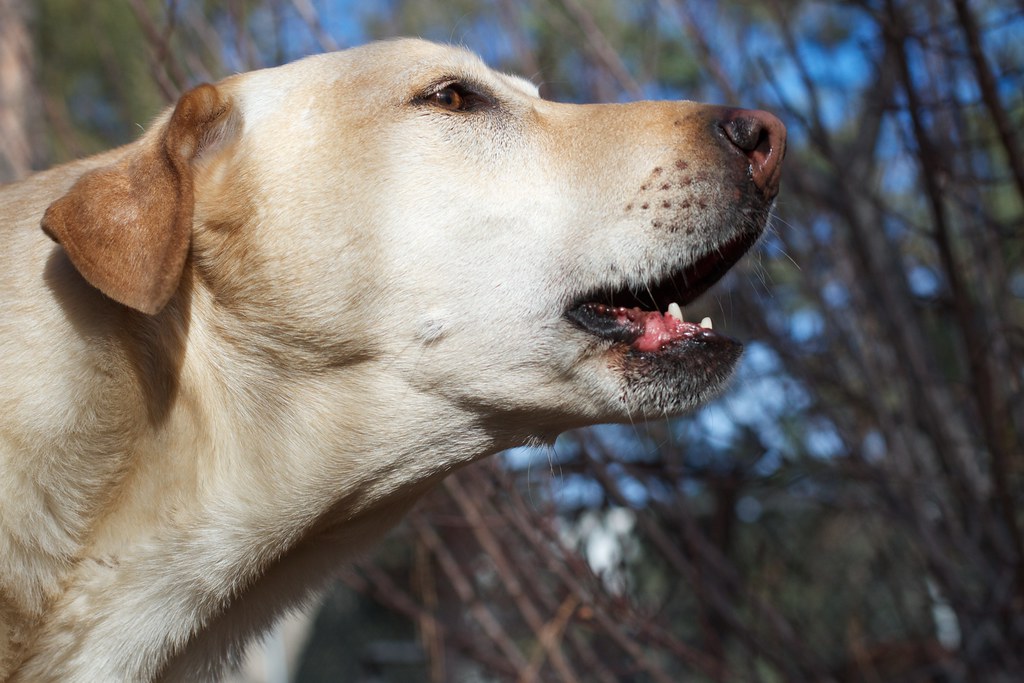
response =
{"points": [[240, 348]]}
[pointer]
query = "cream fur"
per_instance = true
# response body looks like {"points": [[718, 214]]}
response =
{"points": [[373, 297]]}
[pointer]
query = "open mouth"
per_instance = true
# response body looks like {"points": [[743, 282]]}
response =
{"points": [[650, 318]]}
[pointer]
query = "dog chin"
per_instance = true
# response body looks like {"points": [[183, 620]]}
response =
{"points": [[675, 378]]}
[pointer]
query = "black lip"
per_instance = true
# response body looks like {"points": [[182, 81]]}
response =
{"points": [[594, 313], [590, 317], [590, 312]]}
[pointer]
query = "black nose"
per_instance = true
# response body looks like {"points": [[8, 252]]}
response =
{"points": [[762, 138]]}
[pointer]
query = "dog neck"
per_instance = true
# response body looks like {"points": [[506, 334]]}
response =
{"points": [[226, 483]]}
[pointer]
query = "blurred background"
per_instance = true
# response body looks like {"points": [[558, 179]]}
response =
{"points": [[851, 510]]}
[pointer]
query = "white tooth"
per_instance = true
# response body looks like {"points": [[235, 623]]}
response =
{"points": [[706, 323], [675, 311]]}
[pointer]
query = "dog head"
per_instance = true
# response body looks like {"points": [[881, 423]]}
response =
{"points": [[401, 204]]}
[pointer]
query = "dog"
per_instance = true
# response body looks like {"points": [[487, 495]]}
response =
{"points": [[236, 351]]}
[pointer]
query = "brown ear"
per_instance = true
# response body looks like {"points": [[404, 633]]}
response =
{"points": [[127, 227]]}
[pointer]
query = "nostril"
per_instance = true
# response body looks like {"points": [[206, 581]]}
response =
{"points": [[762, 138], [747, 133]]}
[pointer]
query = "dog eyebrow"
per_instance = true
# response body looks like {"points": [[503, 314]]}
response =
{"points": [[523, 85]]}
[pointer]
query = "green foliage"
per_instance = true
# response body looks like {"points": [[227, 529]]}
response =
{"points": [[93, 74]]}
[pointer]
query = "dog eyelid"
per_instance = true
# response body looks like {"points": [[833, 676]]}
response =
{"points": [[456, 96]]}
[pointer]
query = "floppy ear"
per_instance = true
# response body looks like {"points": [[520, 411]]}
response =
{"points": [[127, 227]]}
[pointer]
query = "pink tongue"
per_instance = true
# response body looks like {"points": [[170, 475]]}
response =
{"points": [[659, 329]]}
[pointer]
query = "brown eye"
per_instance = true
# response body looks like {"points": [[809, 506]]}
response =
{"points": [[449, 98], [457, 97]]}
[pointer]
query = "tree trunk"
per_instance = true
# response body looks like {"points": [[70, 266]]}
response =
{"points": [[18, 137]]}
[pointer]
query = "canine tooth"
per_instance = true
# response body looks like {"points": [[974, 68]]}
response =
{"points": [[706, 323], [675, 311]]}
